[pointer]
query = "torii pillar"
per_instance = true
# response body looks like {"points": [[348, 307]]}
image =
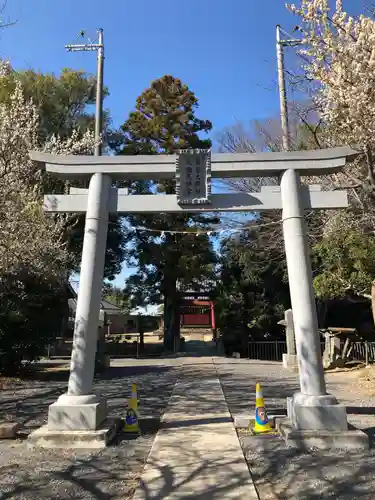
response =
{"points": [[79, 410]]}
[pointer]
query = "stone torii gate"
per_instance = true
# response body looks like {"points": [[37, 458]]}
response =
{"points": [[80, 412]]}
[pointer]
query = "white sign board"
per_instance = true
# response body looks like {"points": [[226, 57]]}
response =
{"points": [[193, 177]]}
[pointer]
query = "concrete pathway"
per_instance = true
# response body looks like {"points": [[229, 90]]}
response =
{"points": [[196, 453], [200, 348]]}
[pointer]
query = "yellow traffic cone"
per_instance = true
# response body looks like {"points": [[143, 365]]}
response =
{"points": [[134, 397], [131, 423], [262, 423]]}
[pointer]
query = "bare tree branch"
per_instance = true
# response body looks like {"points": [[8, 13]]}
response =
{"points": [[7, 23]]}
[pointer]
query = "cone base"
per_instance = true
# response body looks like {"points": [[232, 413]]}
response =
{"points": [[130, 428], [131, 431], [271, 432], [261, 429]]}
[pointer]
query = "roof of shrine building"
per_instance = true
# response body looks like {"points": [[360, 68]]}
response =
{"points": [[223, 165], [105, 305]]}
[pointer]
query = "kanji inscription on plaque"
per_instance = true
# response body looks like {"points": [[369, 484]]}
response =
{"points": [[193, 177]]}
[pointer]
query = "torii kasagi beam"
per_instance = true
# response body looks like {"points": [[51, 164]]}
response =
{"points": [[311, 408]]}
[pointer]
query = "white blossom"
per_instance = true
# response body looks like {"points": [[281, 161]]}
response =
{"points": [[28, 238], [340, 50], [339, 55]]}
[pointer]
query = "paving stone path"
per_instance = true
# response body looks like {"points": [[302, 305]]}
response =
{"points": [[196, 454]]}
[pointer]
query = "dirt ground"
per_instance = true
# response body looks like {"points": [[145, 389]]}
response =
{"points": [[110, 474], [113, 473], [284, 473]]}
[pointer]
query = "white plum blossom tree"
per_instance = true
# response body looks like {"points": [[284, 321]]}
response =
{"points": [[34, 260], [339, 54], [28, 238]]}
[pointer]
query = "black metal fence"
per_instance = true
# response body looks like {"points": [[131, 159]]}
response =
{"points": [[273, 350]]}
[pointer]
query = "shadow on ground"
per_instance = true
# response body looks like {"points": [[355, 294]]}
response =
{"points": [[113, 474], [110, 474], [285, 473], [166, 482], [28, 401]]}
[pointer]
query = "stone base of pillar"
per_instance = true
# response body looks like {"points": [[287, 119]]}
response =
{"points": [[76, 422], [72, 439], [290, 362], [316, 413], [319, 422], [305, 440], [77, 413]]}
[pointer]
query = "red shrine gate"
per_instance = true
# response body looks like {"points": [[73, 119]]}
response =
{"points": [[197, 311]]}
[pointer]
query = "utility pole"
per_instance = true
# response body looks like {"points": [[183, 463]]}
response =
{"points": [[94, 244], [280, 44], [99, 47]]}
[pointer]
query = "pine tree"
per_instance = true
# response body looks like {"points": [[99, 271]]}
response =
{"points": [[163, 122]]}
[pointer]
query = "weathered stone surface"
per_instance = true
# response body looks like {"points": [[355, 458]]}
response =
{"points": [[79, 417], [331, 417], [8, 430], [84, 439], [290, 362], [323, 439], [290, 334]]}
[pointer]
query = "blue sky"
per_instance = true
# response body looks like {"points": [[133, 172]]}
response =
{"points": [[224, 50]]}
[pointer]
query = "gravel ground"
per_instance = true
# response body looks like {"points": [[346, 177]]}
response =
{"points": [[110, 474], [113, 473], [281, 473]]}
